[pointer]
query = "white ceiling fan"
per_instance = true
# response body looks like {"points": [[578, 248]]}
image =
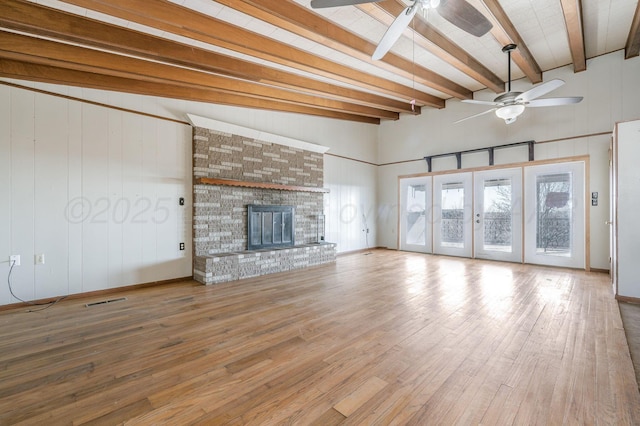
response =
{"points": [[510, 105], [458, 12]]}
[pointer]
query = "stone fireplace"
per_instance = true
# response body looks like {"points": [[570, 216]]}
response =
{"points": [[237, 171]]}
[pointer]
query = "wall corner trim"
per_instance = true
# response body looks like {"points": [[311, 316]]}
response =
{"points": [[234, 129]]}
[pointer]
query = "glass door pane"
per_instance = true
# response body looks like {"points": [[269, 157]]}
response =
{"points": [[555, 223], [452, 214], [553, 214], [415, 218], [498, 214]]}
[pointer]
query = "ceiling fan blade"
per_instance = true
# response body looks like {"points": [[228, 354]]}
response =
{"points": [[321, 4], [477, 102], [476, 115], [539, 90], [394, 32], [464, 16], [554, 101]]}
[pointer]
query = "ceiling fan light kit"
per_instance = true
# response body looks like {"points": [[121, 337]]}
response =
{"points": [[510, 113]]}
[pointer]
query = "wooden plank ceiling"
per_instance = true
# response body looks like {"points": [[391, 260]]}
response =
{"points": [[281, 55]]}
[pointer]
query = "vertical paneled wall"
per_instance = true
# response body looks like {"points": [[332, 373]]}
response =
{"points": [[350, 143], [95, 190], [350, 207]]}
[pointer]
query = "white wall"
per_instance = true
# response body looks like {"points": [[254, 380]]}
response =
{"points": [[628, 231], [350, 207], [95, 190], [610, 88]]}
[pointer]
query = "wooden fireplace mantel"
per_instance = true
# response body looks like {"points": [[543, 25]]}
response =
{"points": [[259, 185]]}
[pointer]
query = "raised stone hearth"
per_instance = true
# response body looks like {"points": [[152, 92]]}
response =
{"points": [[226, 152], [225, 267]]}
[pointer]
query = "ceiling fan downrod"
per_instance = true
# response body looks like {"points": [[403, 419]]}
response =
{"points": [[508, 49]]}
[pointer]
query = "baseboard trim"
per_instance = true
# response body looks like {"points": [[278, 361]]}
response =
{"points": [[95, 293], [602, 271], [627, 299]]}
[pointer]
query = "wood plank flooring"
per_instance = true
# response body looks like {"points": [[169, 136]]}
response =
{"points": [[387, 338]]}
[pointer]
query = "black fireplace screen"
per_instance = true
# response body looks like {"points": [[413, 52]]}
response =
{"points": [[270, 226]]}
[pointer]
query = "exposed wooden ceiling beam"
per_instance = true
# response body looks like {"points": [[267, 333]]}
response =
{"points": [[34, 50], [56, 75], [632, 48], [48, 22], [505, 33], [299, 20], [441, 46], [182, 21], [572, 10]]}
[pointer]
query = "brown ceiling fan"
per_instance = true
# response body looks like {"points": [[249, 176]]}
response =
{"points": [[458, 12]]}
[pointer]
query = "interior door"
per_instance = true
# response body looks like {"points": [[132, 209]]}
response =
{"points": [[416, 214], [555, 214], [497, 216], [452, 214]]}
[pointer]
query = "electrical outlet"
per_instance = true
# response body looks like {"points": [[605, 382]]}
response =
{"points": [[14, 260], [40, 259], [181, 246]]}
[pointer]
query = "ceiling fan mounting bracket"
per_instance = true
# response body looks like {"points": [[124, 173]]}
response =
{"points": [[509, 48]]}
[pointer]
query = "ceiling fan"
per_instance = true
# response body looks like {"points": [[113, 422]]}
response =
{"points": [[458, 12], [510, 105]]}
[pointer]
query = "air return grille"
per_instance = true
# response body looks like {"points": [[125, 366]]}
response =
{"points": [[105, 302]]}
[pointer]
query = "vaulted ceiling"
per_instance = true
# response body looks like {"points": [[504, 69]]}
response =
{"points": [[282, 55]]}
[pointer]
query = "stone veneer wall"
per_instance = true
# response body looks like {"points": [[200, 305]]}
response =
{"points": [[227, 156], [220, 220], [220, 212], [235, 266]]}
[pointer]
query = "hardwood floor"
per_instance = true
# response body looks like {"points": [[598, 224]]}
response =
{"points": [[386, 338]]}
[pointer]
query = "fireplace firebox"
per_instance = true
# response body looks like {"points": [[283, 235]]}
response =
{"points": [[270, 226]]}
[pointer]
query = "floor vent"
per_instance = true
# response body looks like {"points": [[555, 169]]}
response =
{"points": [[105, 302]]}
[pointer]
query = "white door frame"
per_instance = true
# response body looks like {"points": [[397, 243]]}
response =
{"points": [[514, 175], [404, 184], [577, 256], [440, 246]]}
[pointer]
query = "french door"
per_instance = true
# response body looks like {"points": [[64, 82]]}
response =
{"points": [[452, 203], [497, 216], [555, 214], [534, 214], [415, 214]]}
